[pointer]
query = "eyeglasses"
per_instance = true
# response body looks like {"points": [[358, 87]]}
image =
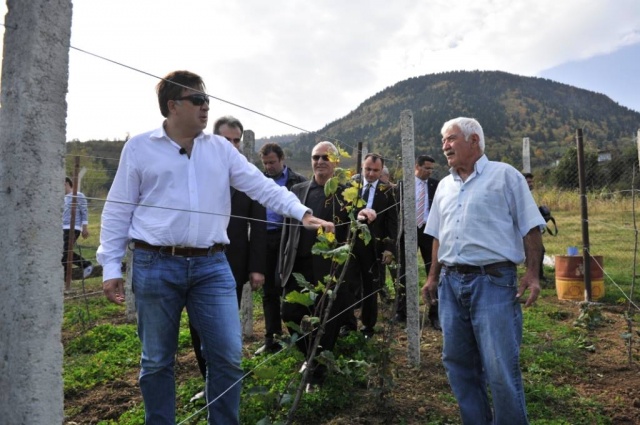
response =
{"points": [[237, 140], [317, 157], [196, 99]]}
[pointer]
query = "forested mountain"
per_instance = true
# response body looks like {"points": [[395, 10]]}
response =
{"points": [[508, 106]]}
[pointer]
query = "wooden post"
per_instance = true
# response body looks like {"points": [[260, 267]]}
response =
{"points": [[410, 236], [246, 311], [249, 145], [586, 254], [246, 303], [526, 155]]}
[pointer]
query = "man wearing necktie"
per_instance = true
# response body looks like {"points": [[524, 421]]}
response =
{"points": [[366, 269], [425, 191]]}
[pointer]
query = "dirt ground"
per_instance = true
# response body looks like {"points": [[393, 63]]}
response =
{"points": [[610, 380]]}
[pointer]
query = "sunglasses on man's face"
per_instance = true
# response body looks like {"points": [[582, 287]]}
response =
{"points": [[196, 99], [317, 157]]}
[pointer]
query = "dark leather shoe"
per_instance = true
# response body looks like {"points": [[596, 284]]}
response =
{"points": [[435, 324], [345, 331], [367, 332], [400, 318]]}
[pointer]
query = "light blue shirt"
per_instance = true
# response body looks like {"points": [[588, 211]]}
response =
{"points": [[483, 219], [274, 220]]}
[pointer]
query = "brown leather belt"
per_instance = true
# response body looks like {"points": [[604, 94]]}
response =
{"points": [[179, 251], [490, 269]]}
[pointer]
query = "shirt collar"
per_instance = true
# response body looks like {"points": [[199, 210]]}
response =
{"points": [[478, 167]]}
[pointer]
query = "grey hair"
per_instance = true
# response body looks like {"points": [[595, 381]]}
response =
{"points": [[329, 146], [468, 126]]}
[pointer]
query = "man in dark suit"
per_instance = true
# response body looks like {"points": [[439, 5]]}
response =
{"points": [[272, 157], [296, 256], [367, 266], [247, 234], [247, 226], [425, 191]]}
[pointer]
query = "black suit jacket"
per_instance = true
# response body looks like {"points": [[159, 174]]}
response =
{"points": [[432, 185], [291, 233], [248, 238], [384, 229]]}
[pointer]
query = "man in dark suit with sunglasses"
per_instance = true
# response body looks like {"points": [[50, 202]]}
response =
{"points": [[296, 257], [170, 202]]}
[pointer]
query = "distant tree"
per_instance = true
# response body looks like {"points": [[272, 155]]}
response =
{"points": [[566, 173]]}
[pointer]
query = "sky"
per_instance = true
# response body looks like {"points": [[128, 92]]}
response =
{"points": [[308, 63]]}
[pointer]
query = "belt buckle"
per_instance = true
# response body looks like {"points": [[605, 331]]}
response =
{"points": [[174, 248]]}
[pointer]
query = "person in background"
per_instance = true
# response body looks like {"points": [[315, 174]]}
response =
{"points": [[81, 226], [247, 225], [385, 178], [529, 178], [425, 189], [484, 222], [272, 157], [247, 237], [366, 271], [296, 257], [170, 203]]}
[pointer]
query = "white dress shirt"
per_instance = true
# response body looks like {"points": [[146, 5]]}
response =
{"points": [[164, 198]]}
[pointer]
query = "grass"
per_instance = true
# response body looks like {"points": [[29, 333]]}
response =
{"points": [[98, 352], [611, 231]]}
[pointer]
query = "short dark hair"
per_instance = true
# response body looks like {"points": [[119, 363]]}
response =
{"points": [[68, 180], [375, 157], [229, 121], [527, 175], [171, 86], [421, 159], [267, 148]]}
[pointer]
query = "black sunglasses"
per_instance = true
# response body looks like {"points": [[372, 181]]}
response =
{"points": [[233, 140], [317, 157], [196, 99]]}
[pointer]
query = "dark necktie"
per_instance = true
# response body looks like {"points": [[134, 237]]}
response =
{"points": [[365, 195]]}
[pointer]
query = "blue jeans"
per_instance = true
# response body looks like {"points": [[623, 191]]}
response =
{"points": [[163, 286], [482, 330]]}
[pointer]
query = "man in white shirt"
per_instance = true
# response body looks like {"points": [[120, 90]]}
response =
{"points": [[170, 202]]}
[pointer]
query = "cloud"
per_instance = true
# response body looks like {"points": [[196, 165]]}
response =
{"points": [[311, 62]]}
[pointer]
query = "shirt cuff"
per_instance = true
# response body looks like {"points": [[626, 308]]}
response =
{"points": [[111, 271]]}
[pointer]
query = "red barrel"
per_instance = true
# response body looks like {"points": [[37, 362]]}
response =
{"points": [[570, 277]]}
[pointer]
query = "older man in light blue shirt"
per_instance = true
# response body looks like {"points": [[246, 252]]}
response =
{"points": [[484, 222]]}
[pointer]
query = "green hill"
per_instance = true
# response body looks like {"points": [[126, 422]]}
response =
{"points": [[509, 107]]}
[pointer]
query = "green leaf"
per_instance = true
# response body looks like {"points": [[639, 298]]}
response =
{"points": [[265, 372], [296, 297], [331, 187]]}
